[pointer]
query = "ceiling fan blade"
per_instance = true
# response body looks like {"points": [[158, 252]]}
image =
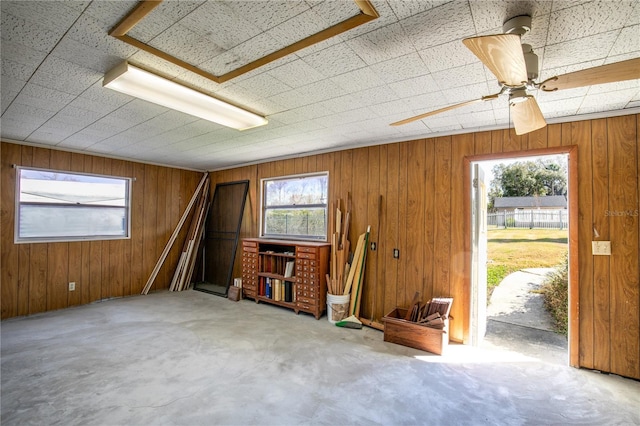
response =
{"points": [[619, 71], [527, 116], [502, 54], [441, 110]]}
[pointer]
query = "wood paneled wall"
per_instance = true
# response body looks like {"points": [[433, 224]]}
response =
{"points": [[35, 277], [412, 194]]}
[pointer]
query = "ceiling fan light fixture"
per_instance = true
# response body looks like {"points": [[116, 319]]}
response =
{"points": [[517, 96], [133, 81]]}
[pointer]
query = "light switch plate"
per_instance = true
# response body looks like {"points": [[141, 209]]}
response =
{"points": [[601, 248]]}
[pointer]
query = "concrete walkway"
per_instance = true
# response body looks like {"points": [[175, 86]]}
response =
{"points": [[518, 321]]}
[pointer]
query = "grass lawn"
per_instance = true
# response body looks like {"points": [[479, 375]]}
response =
{"points": [[510, 250]]}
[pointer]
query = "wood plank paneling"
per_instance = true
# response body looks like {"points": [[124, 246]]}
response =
{"points": [[594, 290], [402, 298], [429, 217], [624, 278], [537, 139], [482, 143], [149, 234], [371, 306], [415, 218], [9, 273], [443, 217], [138, 279], [462, 146], [391, 221], [382, 249], [99, 268]]}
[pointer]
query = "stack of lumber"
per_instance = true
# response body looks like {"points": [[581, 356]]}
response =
{"points": [[187, 262], [346, 277], [204, 182], [340, 244], [430, 314]]}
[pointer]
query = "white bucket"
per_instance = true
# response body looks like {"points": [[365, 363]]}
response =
{"points": [[337, 307]]}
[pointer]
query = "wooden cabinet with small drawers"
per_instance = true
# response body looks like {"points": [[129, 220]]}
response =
{"points": [[286, 273]]}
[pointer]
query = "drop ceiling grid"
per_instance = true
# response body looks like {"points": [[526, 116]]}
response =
{"points": [[341, 92]]}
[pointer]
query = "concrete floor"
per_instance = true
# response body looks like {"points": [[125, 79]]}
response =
{"points": [[192, 358]]}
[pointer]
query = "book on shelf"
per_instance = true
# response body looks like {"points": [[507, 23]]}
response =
{"points": [[276, 289], [267, 285], [288, 291], [288, 269]]}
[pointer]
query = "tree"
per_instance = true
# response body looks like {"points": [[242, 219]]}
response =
{"points": [[528, 179]]}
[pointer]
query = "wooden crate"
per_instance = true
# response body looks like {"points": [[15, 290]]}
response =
{"points": [[408, 333]]}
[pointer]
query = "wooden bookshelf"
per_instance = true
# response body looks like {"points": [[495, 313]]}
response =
{"points": [[286, 273]]}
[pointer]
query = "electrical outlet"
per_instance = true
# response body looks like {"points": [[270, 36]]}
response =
{"points": [[601, 248], [72, 286], [373, 246], [396, 254]]}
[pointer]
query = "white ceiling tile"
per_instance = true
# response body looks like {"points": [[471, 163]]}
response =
{"points": [[470, 92], [27, 114], [357, 80], [628, 41], [579, 50], [296, 73], [86, 56], [312, 111], [334, 12], [407, 8], [266, 15], [182, 42], [442, 24], [320, 91], [80, 140], [297, 28], [17, 130], [161, 18], [401, 68], [335, 60], [455, 51], [43, 137], [477, 119], [400, 106], [64, 76], [414, 86], [376, 95], [581, 21], [28, 33], [340, 104], [53, 15], [460, 76], [386, 17], [259, 46], [565, 106], [606, 100], [94, 33], [634, 16], [110, 12], [382, 44], [43, 97], [264, 85], [539, 33], [18, 53]]}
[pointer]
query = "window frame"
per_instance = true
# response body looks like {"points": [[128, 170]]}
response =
{"points": [[264, 208], [69, 238]]}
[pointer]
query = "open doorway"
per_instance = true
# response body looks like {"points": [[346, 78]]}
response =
{"points": [[519, 241]]}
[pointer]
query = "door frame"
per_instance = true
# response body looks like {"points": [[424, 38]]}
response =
{"points": [[572, 160]]}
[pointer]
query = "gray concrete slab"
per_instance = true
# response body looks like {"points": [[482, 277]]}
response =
{"points": [[191, 358]]}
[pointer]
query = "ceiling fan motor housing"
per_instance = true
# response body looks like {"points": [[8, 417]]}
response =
{"points": [[517, 25]]}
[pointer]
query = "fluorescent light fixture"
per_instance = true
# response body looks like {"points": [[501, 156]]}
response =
{"points": [[141, 84]]}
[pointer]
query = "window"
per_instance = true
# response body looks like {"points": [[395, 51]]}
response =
{"points": [[295, 207], [67, 206]]}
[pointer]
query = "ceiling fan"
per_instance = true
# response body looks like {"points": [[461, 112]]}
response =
{"points": [[516, 68]]}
